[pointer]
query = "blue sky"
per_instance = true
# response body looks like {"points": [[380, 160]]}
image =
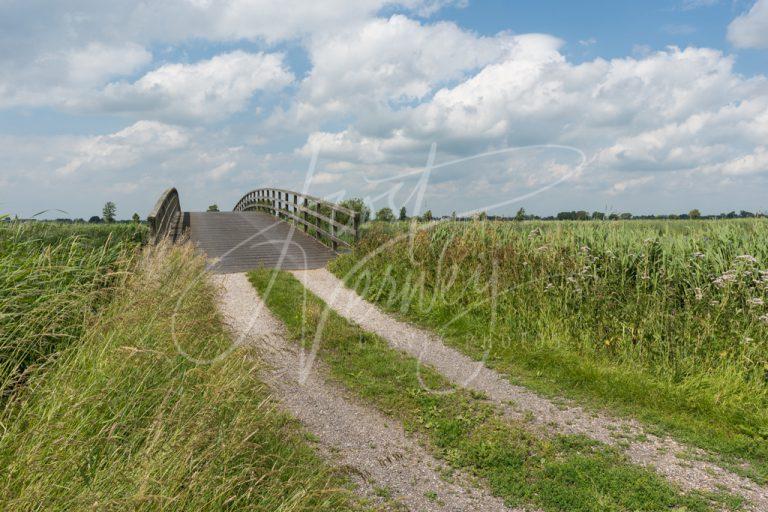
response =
{"points": [[657, 106]]}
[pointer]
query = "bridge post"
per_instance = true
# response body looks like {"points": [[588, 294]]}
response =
{"points": [[332, 225], [306, 215]]}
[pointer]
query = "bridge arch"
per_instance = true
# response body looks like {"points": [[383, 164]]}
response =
{"points": [[268, 227]]}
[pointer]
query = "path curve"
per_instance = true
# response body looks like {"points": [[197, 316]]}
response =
{"points": [[652, 451], [374, 446]]}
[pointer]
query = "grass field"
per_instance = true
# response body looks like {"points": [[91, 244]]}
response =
{"points": [[53, 279], [117, 418], [665, 321]]}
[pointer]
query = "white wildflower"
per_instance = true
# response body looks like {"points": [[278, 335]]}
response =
{"points": [[747, 257], [764, 318], [584, 249], [755, 301], [698, 293], [697, 255], [726, 278]]}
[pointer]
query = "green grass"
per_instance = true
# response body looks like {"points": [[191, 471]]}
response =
{"points": [[555, 474], [122, 421], [53, 279], [664, 321]]}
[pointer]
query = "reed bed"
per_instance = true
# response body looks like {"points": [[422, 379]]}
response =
{"points": [[53, 279], [667, 321]]}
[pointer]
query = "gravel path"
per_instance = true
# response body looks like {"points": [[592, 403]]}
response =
{"points": [[374, 447], [519, 402]]}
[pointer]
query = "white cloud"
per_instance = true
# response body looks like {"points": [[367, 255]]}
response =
{"points": [[125, 148], [624, 185], [58, 77], [750, 30], [756, 162], [54, 53], [211, 89], [675, 110], [384, 64], [221, 170], [97, 62]]}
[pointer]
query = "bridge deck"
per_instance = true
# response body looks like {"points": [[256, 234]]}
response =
{"points": [[242, 241]]}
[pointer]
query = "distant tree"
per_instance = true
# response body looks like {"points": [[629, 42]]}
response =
{"points": [[694, 214], [453, 216], [109, 211], [403, 214], [427, 217], [385, 215], [581, 215], [213, 208], [746, 215], [598, 216], [95, 219], [358, 205], [566, 216], [613, 216], [136, 219], [625, 216], [520, 215], [483, 215]]}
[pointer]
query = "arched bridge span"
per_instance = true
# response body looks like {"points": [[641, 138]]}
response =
{"points": [[267, 228]]}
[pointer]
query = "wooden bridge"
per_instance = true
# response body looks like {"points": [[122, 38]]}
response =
{"points": [[267, 228]]}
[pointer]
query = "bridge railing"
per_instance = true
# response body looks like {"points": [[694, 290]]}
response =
{"points": [[328, 222], [164, 216]]}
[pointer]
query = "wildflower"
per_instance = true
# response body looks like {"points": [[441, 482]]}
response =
{"points": [[755, 301], [698, 255], [747, 257], [549, 285], [764, 319], [645, 276], [584, 249], [726, 278], [570, 279], [714, 302], [698, 293]]}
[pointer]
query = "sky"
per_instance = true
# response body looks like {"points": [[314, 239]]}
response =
{"points": [[658, 106]]}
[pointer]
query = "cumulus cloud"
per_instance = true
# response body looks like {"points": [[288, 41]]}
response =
{"points": [[54, 53], [57, 77], [394, 60], [750, 30], [125, 148], [677, 109], [210, 89]]}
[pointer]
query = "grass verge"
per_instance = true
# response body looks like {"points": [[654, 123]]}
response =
{"points": [[555, 474], [123, 421]]}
